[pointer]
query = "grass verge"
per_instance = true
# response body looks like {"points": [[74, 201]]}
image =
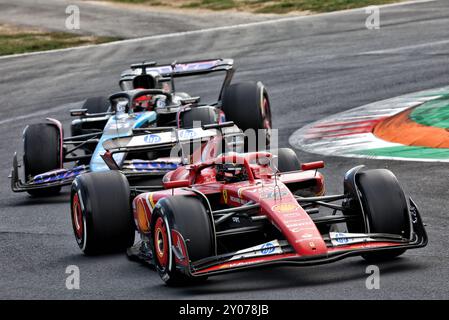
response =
{"points": [[15, 40], [263, 6]]}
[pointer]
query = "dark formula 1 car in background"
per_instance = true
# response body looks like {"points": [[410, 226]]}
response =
{"points": [[149, 100], [233, 211]]}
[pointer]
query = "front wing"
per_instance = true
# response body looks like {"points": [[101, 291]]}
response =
{"points": [[62, 177], [281, 253], [56, 179]]}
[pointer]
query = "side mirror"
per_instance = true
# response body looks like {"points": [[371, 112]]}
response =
{"points": [[78, 112], [192, 100], [176, 184], [263, 161], [312, 165]]}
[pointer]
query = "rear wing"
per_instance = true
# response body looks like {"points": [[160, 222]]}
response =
{"points": [[183, 69]]}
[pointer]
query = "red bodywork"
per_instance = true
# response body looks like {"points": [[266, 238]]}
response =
{"points": [[276, 200]]}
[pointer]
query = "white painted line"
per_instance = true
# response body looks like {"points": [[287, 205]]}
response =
{"points": [[214, 29], [405, 48]]}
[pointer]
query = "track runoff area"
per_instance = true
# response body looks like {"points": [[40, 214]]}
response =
{"points": [[412, 127]]}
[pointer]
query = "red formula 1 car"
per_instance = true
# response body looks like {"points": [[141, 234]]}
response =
{"points": [[235, 211]]}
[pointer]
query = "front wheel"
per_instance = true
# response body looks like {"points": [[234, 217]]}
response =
{"points": [[188, 216], [385, 207], [101, 213], [42, 153]]}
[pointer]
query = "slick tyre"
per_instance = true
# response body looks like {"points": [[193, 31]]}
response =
{"points": [[92, 105], [247, 104], [101, 213], [198, 117], [42, 153], [96, 105], [386, 208], [188, 216], [287, 160]]}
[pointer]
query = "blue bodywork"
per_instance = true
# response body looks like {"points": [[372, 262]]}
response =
{"points": [[119, 125]]}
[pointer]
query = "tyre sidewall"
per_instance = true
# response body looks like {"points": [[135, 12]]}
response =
{"points": [[105, 230], [167, 210], [243, 104], [287, 160], [381, 194]]}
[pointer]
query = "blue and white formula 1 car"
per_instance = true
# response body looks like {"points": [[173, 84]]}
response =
{"points": [[148, 100]]}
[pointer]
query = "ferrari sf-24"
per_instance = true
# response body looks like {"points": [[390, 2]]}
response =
{"points": [[231, 211]]}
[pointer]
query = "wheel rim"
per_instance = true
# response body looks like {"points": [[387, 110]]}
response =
{"points": [[78, 220], [161, 242], [266, 119], [266, 114]]}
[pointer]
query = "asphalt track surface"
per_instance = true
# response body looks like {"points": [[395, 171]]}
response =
{"points": [[313, 67], [114, 19]]}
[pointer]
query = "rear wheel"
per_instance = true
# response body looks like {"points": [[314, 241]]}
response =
{"points": [[92, 105], [96, 105], [188, 216], [386, 209], [198, 116], [101, 213], [195, 118], [42, 153], [287, 160], [248, 106]]}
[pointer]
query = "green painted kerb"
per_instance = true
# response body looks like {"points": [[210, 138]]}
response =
{"points": [[434, 113], [406, 152]]}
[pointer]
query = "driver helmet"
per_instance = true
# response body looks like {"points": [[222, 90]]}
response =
{"points": [[231, 172], [143, 103]]}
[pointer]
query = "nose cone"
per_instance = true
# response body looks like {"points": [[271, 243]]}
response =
{"points": [[282, 209]]}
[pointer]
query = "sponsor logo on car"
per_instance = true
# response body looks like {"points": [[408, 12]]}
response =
{"points": [[273, 194], [160, 103], [285, 208], [187, 134], [238, 200], [308, 240], [307, 235], [341, 238], [118, 126], [267, 248], [292, 215], [300, 224], [225, 196], [152, 138]]}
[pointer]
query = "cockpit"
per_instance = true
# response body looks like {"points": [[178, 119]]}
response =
{"points": [[231, 172]]}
